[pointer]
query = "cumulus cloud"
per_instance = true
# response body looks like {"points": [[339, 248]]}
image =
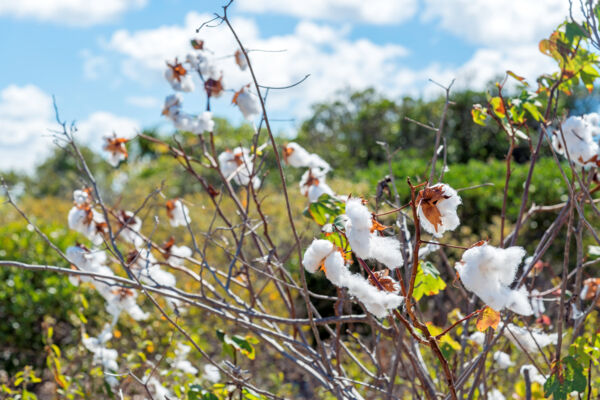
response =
{"points": [[497, 23], [377, 12], [27, 122], [69, 12], [333, 59]]}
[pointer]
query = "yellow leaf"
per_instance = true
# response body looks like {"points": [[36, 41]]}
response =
{"points": [[488, 318]]}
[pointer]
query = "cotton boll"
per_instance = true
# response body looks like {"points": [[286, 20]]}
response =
{"points": [[518, 302], [578, 140], [316, 191], [522, 337], [180, 362], [359, 214], [534, 374], [121, 299], [386, 250], [364, 243], [81, 197], [158, 391], [87, 221], [502, 360], [131, 225], [178, 213], [248, 103], [238, 164], [495, 394], [211, 373], [487, 271], [313, 186], [179, 78], [296, 156], [593, 122], [103, 356], [177, 254], [477, 337], [172, 105], [376, 301], [436, 208], [315, 254], [117, 151]]}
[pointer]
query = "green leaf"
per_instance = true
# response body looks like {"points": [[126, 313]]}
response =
{"points": [[428, 281], [479, 114], [572, 379], [533, 111]]}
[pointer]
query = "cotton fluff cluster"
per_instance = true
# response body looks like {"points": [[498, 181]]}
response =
{"points": [[180, 362], [179, 78], [377, 302], [178, 213], [175, 254], [146, 268], [247, 102], [184, 121], [365, 243], [502, 360], [495, 394], [86, 260], [297, 157], [436, 207], [313, 185], [159, 392], [487, 271], [84, 219], [237, 164], [117, 151], [130, 226], [578, 139], [527, 339], [211, 373], [534, 374], [103, 356]]}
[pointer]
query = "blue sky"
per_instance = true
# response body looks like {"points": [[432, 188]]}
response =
{"points": [[104, 60]]}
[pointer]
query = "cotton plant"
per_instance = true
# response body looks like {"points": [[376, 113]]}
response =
{"points": [[488, 271], [178, 77], [323, 253], [145, 267], [238, 165], [502, 360], [575, 139], [247, 102], [116, 149], [87, 260], [298, 157], [436, 207], [365, 240], [532, 340], [313, 185], [103, 355], [85, 220], [178, 213], [130, 226], [175, 255]]}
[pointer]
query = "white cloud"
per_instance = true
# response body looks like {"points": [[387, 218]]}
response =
{"points": [[25, 117], [27, 121], [377, 12], [69, 12], [328, 54], [143, 101], [101, 123], [497, 23]]}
